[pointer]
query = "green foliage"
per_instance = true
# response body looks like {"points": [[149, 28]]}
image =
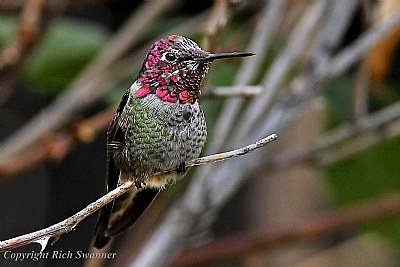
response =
{"points": [[66, 47]]}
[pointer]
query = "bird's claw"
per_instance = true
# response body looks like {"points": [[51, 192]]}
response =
{"points": [[181, 167], [140, 184]]}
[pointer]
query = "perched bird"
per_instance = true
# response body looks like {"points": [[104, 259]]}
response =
{"points": [[158, 126]]}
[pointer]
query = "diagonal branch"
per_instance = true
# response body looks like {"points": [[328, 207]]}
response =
{"points": [[67, 225], [57, 230]]}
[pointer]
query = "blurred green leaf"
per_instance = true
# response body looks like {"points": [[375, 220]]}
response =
{"points": [[64, 50]]}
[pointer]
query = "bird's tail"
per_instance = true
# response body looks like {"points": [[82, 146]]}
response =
{"points": [[120, 215]]}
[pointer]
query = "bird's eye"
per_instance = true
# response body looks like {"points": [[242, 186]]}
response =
{"points": [[170, 57]]}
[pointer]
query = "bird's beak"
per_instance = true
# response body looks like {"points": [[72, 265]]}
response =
{"points": [[210, 57]]}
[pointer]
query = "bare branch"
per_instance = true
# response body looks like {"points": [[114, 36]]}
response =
{"points": [[67, 225], [57, 230], [232, 154]]}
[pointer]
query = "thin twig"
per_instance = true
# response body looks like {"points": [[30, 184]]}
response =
{"points": [[57, 230], [232, 154], [312, 229], [228, 155]]}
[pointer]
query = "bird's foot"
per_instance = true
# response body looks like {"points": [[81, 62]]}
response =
{"points": [[181, 167], [140, 184]]}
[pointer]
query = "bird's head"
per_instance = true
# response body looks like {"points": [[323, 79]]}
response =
{"points": [[174, 69]]}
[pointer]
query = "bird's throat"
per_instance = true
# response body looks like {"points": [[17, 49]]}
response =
{"points": [[166, 94]]}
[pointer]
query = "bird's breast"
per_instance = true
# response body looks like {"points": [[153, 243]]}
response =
{"points": [[160, 136]]}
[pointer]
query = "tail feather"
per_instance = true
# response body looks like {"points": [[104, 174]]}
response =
{"points": [[101, 239], [122, 214], [131, 212]]}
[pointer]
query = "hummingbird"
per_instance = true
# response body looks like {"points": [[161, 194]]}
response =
{"points": [[158, 126]]}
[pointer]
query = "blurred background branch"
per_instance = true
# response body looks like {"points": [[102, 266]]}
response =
{"points": [[27, 35], [237, 246]]}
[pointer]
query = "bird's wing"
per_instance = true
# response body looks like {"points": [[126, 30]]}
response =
{"points": [[124, 211], [114, 133]]}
